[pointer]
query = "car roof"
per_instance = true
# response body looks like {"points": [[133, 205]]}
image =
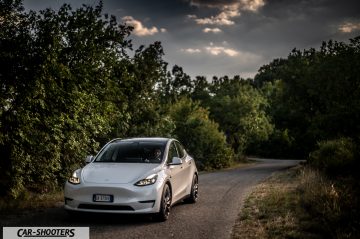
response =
{"points": [[144, 139]]}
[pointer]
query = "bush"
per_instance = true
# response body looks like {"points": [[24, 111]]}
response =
{"points": [[331, 203], [57, 92], [200, 135], [334, 156]]}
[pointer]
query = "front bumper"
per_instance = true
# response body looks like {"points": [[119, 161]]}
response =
{"points": [[127, 198]]}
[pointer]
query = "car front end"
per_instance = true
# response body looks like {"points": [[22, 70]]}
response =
{"points": [[87, 190]]}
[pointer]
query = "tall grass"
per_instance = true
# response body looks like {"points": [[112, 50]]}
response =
{"points": [[271, 210], [334, 204], [302, 202]]}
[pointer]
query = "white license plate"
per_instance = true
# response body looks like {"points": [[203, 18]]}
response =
{"points": [[102, 198]]}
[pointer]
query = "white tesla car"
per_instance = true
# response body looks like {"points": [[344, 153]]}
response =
{"points": [[138, 175]]}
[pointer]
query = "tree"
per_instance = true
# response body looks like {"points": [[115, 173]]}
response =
{"points": [[57, 70], [240, 111], [175, 85], [136, 81], [200, 135], [319, 95]]}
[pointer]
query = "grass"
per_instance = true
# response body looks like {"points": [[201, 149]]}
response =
{"points": [[301, 203], [332, 201], [30, 200], [273, 210]]}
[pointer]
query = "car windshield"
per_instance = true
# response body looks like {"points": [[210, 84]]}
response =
{"points": [[132, 152]]}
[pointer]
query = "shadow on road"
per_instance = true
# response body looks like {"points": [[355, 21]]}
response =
{"points": [[98, 219]]}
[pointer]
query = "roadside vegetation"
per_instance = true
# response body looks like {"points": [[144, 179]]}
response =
{"points": [[30, 201], [71, 80], [273, 210], [299, 203]]}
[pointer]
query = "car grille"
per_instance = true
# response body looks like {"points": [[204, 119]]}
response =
{"points": [[106, 207]]}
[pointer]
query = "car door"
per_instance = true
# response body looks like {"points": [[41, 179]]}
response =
{"points": [[175, 172], [187, 174]]}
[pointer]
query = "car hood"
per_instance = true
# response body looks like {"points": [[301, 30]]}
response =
{"points": [[117, 172]]}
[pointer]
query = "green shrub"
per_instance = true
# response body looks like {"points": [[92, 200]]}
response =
{"points": [[334, 156], [200, 135]]}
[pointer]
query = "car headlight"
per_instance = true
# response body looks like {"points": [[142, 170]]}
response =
{"points": [[151, 179], [75, 178]]}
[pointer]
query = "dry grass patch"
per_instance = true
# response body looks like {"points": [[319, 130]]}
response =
{"points": [[273, 210]]}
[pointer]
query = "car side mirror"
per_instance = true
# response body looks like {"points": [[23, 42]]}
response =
{"points": [[89, 158], [176, 161]]}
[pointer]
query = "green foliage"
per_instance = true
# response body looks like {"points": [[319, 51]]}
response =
{"points": [[334, 156], [174, 86], [239, 109], [234, 104], [200, 135], [134, 82], [317, 95], [54, 79]]}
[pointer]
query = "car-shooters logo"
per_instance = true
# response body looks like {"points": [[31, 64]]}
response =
{"points": [[46, 232]]}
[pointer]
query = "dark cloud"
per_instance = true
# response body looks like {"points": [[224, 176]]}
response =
{"points": [[271, 31], [284, 9], [212, 3]]}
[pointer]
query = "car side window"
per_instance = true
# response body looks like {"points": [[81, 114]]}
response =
{"points": [[172, 153], [180, 150]]}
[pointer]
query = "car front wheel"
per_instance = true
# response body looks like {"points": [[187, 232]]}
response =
{"points": [[165, 205]]}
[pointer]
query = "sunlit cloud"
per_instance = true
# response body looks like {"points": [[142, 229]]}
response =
{"points": [[228, 11], [223, 18], [212, 30], [230, 52], [221, 50], [217, 50], [139, 28], [191, 50], [251, 5], [349, 27]]}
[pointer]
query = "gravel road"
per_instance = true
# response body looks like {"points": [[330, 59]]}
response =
{"points": [[220, 197]]}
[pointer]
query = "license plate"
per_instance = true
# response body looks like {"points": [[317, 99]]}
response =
{"points": [[102, 198]]}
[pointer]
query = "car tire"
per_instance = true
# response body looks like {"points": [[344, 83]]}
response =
{"points": [[165, 205], [194, 193]]}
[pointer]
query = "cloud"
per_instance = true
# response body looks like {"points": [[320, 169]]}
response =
{"points": [[228, 11], [139, 28], [230, 52], [349, 27], [212, 30], [251, 5], [191, 50], [213, 50], [222, 50], [223, 18], [218, 50]]}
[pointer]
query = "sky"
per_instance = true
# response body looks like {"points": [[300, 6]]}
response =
{"points": [[228, 37]]}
